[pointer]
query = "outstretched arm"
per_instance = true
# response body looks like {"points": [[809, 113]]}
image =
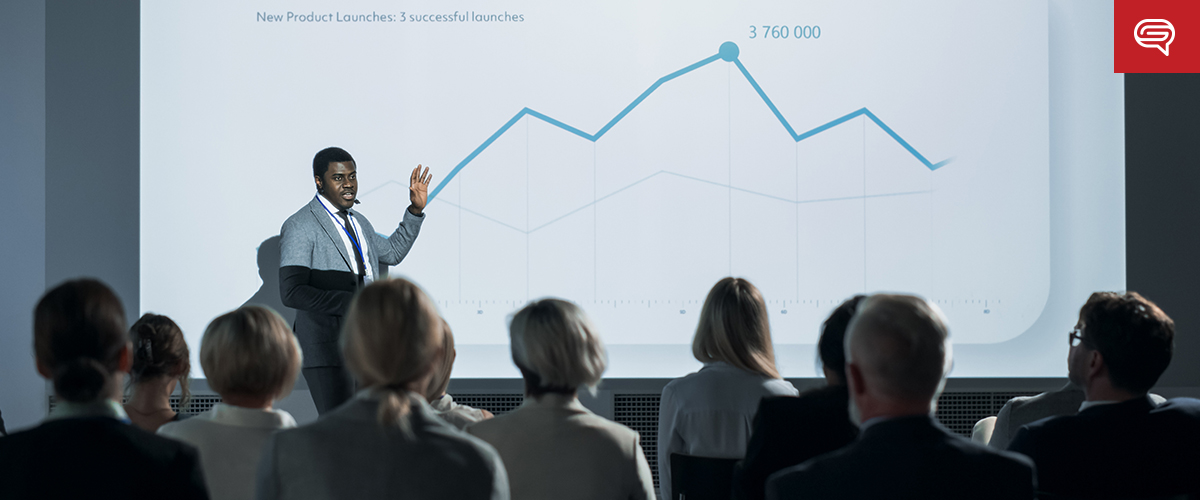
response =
{"points": [[391, 250]]}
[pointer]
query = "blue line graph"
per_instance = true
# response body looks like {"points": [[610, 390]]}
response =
{"points": [[728, 52]]}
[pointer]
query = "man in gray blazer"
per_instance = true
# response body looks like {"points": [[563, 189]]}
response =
{"points": [[327, 252]]}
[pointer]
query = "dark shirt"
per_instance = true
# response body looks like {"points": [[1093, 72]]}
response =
{"points": [[908, 458], [1120, 450], [97, 458], [789, 430]]}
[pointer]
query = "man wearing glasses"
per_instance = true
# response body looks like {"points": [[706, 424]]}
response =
{"points": [[1121, 444], [1023, 410]]}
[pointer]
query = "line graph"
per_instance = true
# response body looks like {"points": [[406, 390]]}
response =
{"points": [[728, 52]]}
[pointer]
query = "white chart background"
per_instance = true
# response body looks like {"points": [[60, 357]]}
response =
{"points": [[699, 181]]}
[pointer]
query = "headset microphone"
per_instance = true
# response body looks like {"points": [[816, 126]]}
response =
{"points": [[356, 202]]}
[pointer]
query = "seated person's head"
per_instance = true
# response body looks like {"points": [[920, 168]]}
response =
{"points": [[391, 341], [733, 328], [556, 348], [1124, 344], [250, 357], [80, 341], [441, 374], [832, 344], [897, 356], [160, 352]]}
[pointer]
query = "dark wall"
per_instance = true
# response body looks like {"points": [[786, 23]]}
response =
{"points": [[92, 168], [1162, 207]]}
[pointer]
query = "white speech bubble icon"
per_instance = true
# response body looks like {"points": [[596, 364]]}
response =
{"points": [[1155, 33]]}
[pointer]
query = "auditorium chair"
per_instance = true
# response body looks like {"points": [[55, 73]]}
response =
{"points": [[701, 478]]}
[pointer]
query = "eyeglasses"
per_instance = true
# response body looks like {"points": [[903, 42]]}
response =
{"points": [[1075, 337]]}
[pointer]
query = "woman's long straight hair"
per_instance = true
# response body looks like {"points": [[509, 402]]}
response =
{"points": [[734, 329]]}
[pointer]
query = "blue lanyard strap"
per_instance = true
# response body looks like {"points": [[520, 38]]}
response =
{"points": [[353, 239]]}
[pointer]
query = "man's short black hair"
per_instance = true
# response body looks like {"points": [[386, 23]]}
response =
{"points": [[326, 156], [1135, 337], [832, 344]]}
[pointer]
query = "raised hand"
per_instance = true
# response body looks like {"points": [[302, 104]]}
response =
{"points": [[418, 189]]}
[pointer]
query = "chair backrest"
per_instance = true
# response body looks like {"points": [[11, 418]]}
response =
{"points": [[982, 433], [701, 478]]}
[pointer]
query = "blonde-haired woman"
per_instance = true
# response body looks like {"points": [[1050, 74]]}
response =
{"points": [[443, 404], [552, 446], [708, 413], [252, 359], [386, 442]]}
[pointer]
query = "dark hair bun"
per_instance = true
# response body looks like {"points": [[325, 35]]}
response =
{"points": [[81, 379]]}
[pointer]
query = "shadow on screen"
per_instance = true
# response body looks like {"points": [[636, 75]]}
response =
{"points": [[268, 272]]}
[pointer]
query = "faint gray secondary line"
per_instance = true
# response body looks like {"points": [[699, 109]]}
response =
{"points": [[648, 177]]}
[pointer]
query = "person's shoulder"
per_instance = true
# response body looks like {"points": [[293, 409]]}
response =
{"points": [[497, 425], [301, 216], [1190, 406], [779, 387], [988, 456], [457, 443], [832, 466]]}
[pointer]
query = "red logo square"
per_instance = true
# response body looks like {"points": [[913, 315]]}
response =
{"points": [[1156, 36]]}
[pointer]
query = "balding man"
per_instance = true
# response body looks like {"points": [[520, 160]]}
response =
{"points": [[897, 358]]}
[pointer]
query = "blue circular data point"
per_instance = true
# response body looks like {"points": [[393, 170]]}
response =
{"points": [[729, 51]]}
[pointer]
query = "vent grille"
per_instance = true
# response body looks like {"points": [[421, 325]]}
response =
{"points": [[959, 411], [498, 404], [640, 413]]}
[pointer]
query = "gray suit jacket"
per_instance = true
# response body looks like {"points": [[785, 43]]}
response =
{"points": [[347, 454], [553, 448], [316, 273]]}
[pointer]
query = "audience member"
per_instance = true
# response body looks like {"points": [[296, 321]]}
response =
{"points": [[898, 355], [1023, 410], [251, 359], [1120, 444], [443, 404], [160, 361], [708, 413], [86, 447], [553, 447], [787, 430], [386, 442]]}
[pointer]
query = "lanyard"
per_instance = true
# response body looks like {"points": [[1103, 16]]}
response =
{"points": [[353, 240]]}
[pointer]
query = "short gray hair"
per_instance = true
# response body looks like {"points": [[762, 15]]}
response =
{"points": [[901, 343], [555, 341], [250, 351]]}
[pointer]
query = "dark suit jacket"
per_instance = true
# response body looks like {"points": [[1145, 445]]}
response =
{"points": [[317, 278], [97, 457], [908, 457], [1118, 450], [788, 431]]}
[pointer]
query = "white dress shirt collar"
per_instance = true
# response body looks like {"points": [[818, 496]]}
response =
{"points": [[228, 414], [358, 232], [1089, 404]]}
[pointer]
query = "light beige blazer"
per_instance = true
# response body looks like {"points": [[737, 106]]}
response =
{"points": [[554, 448]]}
